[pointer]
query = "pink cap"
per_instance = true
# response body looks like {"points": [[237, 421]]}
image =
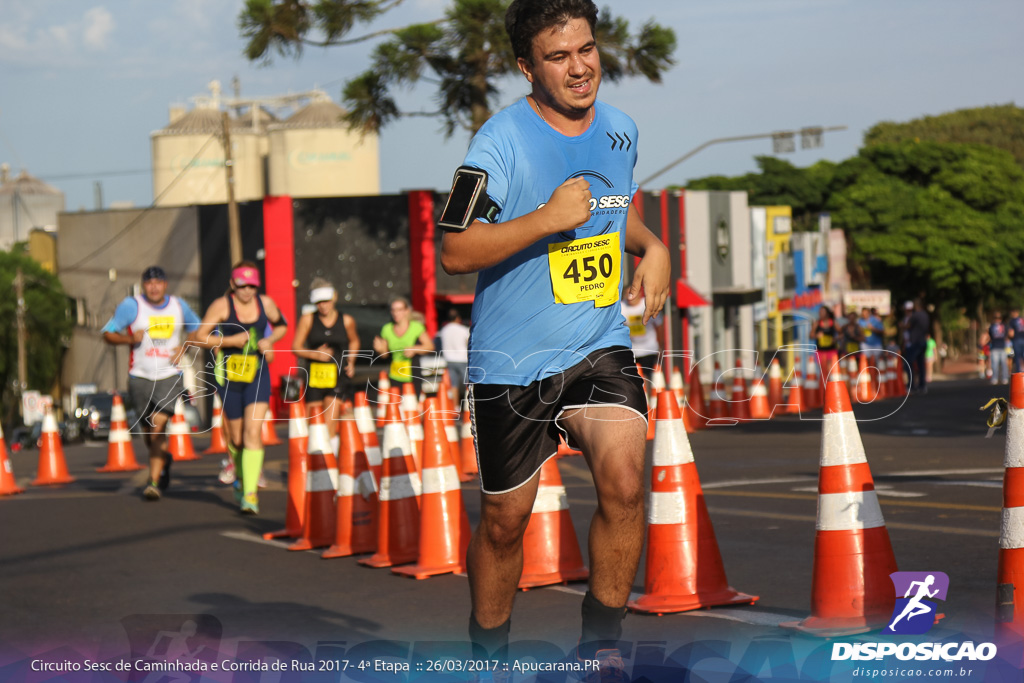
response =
{"points": [[245, 275]]}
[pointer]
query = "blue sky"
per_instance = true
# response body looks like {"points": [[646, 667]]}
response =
{"points": [[83, 83]]}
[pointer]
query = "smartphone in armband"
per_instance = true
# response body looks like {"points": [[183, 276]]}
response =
{"points": [[467, 201]]}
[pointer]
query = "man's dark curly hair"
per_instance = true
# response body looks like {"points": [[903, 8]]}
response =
{"points": [[526, 18]]}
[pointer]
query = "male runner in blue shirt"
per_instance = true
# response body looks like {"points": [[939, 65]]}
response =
{"points": [[549, 351]]}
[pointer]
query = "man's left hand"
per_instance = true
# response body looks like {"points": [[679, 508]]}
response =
{"points": [[651, 279]]}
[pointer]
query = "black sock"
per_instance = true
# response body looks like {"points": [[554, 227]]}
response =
{"points": [[602, 626], [493, 641]]}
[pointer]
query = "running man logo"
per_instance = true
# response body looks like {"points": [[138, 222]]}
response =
{"points": [[914, 613]]}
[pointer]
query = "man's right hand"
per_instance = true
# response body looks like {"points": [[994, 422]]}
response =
{"points": [[569, 206]]}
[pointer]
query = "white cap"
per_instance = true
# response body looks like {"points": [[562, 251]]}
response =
{"points": [[321, 294]]}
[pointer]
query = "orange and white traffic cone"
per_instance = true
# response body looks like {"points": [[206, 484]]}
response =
{"points": [[451, 434], [564, 449], [759, 408], [383, 396], [53, 469], [298, 468], [684, 569], [901, 383], [367, 430], [852, 371], [8, 485], [268, 435], [218, 438], [696, 410], [865, 390], [718, 409], [356, 506], [467, 448], [179, 439], [657, 379], [551, 552], [1010, 573], [774, 384], [677, 387], [851, 591], [321, 487], [795, 404], [739, 407], [414, 425], [398, 512], [410, 403], [120, 454], [444, 526], [884, 385]]}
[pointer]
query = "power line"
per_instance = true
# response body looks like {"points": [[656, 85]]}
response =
{"points": [[95, 174]]}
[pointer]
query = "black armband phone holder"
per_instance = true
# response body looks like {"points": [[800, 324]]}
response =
{"points": [[467, 201]]}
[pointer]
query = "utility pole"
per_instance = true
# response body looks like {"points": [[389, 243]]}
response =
{"points": [[19, 292], [234, 230]]}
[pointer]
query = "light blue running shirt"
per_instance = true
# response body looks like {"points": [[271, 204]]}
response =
{"points": [[519, 333]]}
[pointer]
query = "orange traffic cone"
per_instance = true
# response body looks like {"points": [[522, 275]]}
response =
{"points": [[8, 485], [444, 526], [398, 513], [884, 384], [759, 408], [1010, 575], [298, 468], [467, 449], [739, 407], [120, 454], [851, 591], [852, 372], [901, 384], [657, 379], [718, 409], [179, 440], [812, 384], [268, 435], [652, 405], [218, 439], [796, 405], [367, 430], [684, 567], [696, 410], [53, 469], [775, 383], [865, 391], [356, 514], [551, 552], [321, 486]]}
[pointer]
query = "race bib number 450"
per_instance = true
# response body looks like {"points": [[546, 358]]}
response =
{"points": [[586, 270]]}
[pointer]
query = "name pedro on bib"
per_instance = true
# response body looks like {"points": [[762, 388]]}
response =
{"points": [[586, 269]]}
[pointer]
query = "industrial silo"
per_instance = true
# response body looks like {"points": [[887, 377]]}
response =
{"points": [[313, 154], [26, 203]]}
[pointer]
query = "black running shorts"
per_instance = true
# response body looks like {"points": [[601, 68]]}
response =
{"points": [[515, 428]]}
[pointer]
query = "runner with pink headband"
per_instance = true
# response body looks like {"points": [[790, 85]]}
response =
{"points": [[243, 326]]}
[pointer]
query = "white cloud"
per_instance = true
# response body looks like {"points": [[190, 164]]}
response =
{"points": [[98, 25]]}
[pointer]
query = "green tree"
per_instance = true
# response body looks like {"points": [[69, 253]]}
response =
{"points": [[945, 221], [462, 54], [997, 126], [47, 321]]}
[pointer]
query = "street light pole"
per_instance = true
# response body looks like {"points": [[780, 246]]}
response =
{"points": [[738, 138]]}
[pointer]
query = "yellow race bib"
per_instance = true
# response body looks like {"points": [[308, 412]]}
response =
{"points": [[586, 269], [323, 375], [241, 367], [161, 326], [636, 325]]}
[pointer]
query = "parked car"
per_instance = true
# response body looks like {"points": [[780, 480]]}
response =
{"points": [[93, 416]]}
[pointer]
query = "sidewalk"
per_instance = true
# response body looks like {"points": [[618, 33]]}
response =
{"points": [[964, 367]]}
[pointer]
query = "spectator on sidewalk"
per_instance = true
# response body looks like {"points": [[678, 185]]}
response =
{"points": [[1016, 328], [915, 330], [997, 336], [454, 338]]}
